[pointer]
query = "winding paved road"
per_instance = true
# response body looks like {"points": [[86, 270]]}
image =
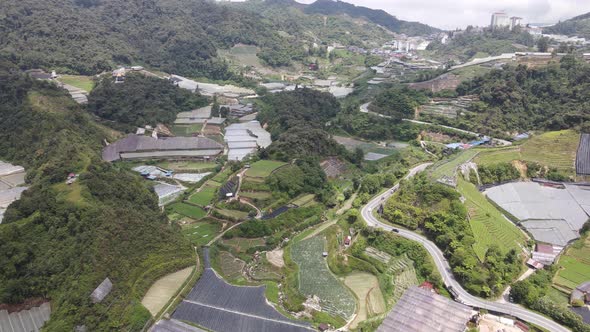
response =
{"points": [[445, 270]]}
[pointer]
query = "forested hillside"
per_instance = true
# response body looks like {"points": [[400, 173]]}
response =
{"points": [[290, 17], [518, 98], [178, 36], [298, 121], [60, 242], [381, 17], [577, 26], [89, 36], [141, 101], [467, 44]]}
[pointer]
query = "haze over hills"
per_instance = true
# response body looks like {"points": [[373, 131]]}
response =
{"points": [[577, 26]]}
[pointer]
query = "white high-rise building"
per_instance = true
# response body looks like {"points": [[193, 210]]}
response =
{"points": [[500, 19], [515, 22]]}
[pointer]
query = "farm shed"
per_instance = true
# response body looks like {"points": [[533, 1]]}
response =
{"points": [[167, 192], [10, 195], [581, 293], [552, 215], [101, 291], [372, 156], [546, 253], [421, 310], [7, 169], [134, 146], [244, 138], [583, 155], [219, 306], [30, 320]]}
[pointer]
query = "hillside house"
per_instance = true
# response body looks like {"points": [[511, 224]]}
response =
{"points": [[581, 293]]}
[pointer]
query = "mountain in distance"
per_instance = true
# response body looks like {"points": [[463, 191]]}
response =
{"points": [[577, 26], [377, 16]]}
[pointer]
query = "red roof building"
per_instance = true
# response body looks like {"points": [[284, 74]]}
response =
{"points": [[427, 285]]}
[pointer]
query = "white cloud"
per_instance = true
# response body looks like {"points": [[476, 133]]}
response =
{"points": [[450, 14]]}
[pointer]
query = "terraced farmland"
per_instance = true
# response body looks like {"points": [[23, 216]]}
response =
{"points": [[404, 276], [188, 210], [315, 278], [200, 233], [574, 265], [556, 149], [366, 288], [487, 223], [240, 244], [303, 200], [203, 197], [487, 157], [262, 195], [186, 130], [263, 168]]}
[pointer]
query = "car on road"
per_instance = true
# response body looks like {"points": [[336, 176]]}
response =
{"points": [[395, 230]]}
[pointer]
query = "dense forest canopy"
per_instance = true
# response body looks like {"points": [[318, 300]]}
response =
{"points": [[398, 102], [518, 98], [91, 36], [298, 121], [141, 101], [289, 17], [59, 242], [88, 37]]}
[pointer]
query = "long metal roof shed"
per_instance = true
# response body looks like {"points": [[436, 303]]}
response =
{"points": [[583, 155], [422, 310]]}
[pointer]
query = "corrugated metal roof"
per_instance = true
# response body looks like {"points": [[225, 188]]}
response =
{"points": [[101, 291], [421, 310], [134, 143], [583, 155], [25, 320]]}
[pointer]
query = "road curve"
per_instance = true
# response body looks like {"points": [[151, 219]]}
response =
{"points": [[445, 270]]}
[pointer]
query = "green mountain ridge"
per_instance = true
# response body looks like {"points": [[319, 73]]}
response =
{"points": [[377, 16], [179, 36], [576, 26]]}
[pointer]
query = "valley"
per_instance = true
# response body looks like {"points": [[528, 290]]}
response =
{"points": [[270, 165]]}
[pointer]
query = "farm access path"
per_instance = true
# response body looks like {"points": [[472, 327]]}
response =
{"points": [[445, 270], [364, 108]]}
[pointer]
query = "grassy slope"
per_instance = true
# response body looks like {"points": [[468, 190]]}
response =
{"points": [[263, 168], [556, 149], [82, 82]]}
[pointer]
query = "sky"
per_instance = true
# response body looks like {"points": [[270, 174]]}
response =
{"points": [[451, 14]]}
